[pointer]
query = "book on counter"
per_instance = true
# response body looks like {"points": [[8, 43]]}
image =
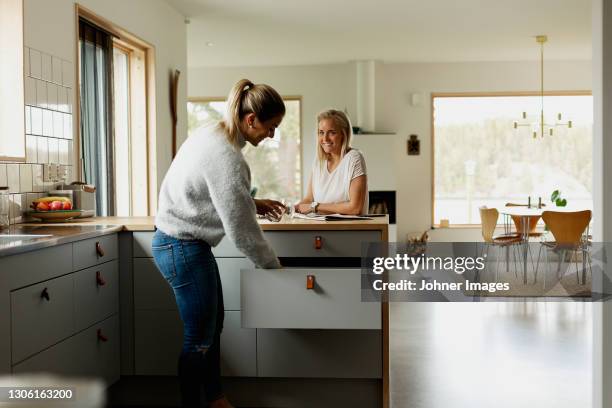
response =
{"points": [[331, 217]]}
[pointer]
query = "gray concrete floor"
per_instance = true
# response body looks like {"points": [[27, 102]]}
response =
{"points": [[503, 355]]}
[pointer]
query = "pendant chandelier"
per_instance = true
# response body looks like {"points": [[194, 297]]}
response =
{"points": [[539, 124]]}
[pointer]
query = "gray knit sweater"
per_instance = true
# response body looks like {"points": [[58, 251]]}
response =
{"points": [[206, 194]]}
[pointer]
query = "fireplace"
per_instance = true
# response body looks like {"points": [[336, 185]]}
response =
{"points": [[383, 202]]}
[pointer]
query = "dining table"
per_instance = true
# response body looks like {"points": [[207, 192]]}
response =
{"points": [[528, 218]]}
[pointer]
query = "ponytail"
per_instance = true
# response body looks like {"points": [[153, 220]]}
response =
{"points": [[246, 97]]}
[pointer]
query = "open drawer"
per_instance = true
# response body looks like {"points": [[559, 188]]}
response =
{"points": [[313, 298]]}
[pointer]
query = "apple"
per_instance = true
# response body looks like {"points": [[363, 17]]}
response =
{"points": [[42, 206], [66, 205], [55, 205]]}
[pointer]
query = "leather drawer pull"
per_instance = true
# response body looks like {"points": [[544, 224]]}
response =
{"points": [[101, 336], [45, 294], [99, 279], [318, 243], [310, 281], [99, 250]]}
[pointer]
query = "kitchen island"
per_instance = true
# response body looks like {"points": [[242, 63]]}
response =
{"points": [[299, 336]]}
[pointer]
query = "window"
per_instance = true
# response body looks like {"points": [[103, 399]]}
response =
{"points": [[276, 163], [116, 108], [480, 160]]}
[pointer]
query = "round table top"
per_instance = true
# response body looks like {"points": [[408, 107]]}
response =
{"points": [[533, 212]]}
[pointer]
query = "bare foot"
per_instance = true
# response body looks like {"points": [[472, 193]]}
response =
{"points": [[221, 403]]}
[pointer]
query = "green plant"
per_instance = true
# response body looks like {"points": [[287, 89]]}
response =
{"points": [[557, 199]]}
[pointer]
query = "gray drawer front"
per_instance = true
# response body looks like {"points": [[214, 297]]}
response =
{"points": [[319, 353], [38, 323], [94, 302], [82, 355], [162, 330], [152, 292], [278, 299], [37, 266], [333, 243], [142, 247], [142, 244], [85, 255]]}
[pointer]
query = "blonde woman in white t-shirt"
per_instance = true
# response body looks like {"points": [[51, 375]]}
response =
{"points": [[338, 182]]}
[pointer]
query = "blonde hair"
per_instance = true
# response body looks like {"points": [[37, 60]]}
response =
{"points": [[247, 97], [343, 123]]}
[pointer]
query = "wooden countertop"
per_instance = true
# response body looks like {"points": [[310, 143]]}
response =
{"points": [[286, 224]]}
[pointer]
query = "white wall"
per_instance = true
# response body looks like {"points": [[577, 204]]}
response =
{"points": [[324, 86], [49, 26]]}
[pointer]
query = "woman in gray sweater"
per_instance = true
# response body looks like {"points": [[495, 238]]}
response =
{"points": [[204, 196]]}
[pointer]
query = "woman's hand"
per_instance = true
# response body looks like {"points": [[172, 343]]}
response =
{"points": [[303, 208], [269, 206]]}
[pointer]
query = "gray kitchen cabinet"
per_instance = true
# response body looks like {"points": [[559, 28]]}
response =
{"points": [[157, 324], [95, 251], [93, 352], [320, 243], [42, 315], [280, 299], [96, 292], [319, 353], [62, 303]]}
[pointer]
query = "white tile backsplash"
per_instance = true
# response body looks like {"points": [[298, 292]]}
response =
{"points": [[58, 124], [43, 150], [35, 64], [3, 181], [41, 94], [47, 122], [17, 207], [56, 64], [31, 149], [37, 178], [30, 91], [46, 67], [12, 175], [62, 99], [37, 119], [25, 177], [67, 74], [63, 152], [52, 96], [69, 99], [28, 120], [53, 150], [67, 126], [26, 61]]}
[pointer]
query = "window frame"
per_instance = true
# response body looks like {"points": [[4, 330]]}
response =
{"points": [[435, 95], [124, 38], [203, 99]]}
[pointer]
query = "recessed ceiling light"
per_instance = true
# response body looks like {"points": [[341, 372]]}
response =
{"points": [[210, 44]]}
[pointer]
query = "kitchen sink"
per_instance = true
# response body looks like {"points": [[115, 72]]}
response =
{"points": [[11, 238]]}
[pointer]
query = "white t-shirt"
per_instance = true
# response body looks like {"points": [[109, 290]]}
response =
{"points": [[334, 187]]}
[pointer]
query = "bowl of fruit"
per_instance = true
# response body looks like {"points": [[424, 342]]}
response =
{"points": [[53, 209]]}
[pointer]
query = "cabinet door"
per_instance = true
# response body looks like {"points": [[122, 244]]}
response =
{"points": [[41, 315], [152, 292], [158, 342], [280, 299], [320, 243], [91, 353], [96, 293], [95, 251], [319, 353]]}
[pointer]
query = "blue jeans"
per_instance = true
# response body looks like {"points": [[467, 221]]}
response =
{"points": [[191, 270]]}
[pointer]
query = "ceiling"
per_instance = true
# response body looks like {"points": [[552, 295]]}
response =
{"points": [[291, 32]]}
